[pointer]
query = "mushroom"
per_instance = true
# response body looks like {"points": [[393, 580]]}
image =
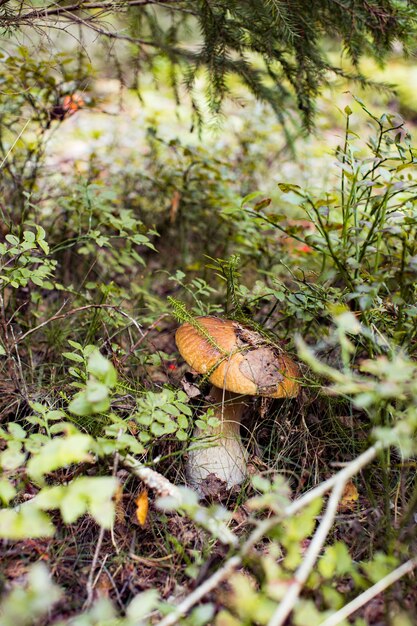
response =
{"points": [[238, 362]]}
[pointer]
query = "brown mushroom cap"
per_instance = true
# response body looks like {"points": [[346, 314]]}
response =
{"points": [[246, 363]]}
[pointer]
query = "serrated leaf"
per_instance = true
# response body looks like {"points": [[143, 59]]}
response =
{"points": [[335, 560]]}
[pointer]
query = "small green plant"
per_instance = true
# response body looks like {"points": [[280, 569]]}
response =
{"points": [[164, 413]]}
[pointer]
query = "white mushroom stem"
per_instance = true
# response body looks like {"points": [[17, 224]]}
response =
{"points": [[219, 450]]}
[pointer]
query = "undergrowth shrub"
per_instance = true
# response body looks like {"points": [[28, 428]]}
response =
{"points": [[81, 425], [358, 240]]}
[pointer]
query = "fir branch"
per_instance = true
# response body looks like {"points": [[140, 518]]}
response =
{"points": [[272, 46], [182, 314]]}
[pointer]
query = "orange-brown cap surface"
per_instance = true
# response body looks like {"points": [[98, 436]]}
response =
{"points": [[237, 358]]}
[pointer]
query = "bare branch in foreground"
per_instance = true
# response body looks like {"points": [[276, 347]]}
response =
{"points": [[351, 469], [300, 577], [370, 593]]}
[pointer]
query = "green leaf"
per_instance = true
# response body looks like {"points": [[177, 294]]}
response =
{"points": [[79, 405], [335, 560], [40, 239], [28, 522], [381, 565], [306, 613], [82, 495], [157, 429], [286, 188], [12, 457], [182, 421], [142, 604], [29, 236], [102, 369], [302, 525], [332, 597], [58, 453], [38, 407], [160, 416], [17, 431], [96, 392], [29, 603], [7, 491], [75, 344], [171, 409], [55, 415], [249, 197], [12, 239], [184, 408], [170, 427], [73, 356]]}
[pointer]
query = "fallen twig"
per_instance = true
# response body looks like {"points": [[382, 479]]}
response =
{"points": [[91, 580], [136, 345], [163, 487]]}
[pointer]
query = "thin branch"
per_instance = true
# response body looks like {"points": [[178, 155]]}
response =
{"points": [[91, 581], [200, 592], [61, 316], [62, 10], [14, 143], [370, 593], [352, 468], [69, 14], [88, 23], [136, 345]]}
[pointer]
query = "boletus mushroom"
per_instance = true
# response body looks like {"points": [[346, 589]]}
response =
{"points": [[238, 362]]}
